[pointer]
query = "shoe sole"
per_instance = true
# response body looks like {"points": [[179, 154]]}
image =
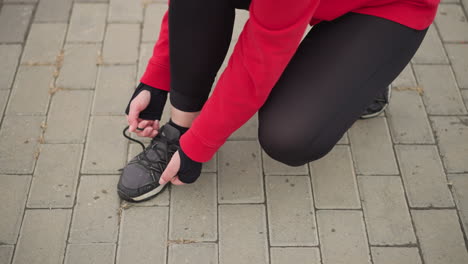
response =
{"points": [[143, 197], [381, 110]]}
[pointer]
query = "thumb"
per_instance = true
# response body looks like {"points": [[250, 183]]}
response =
{"points": [[137, 105], [171, 169], [133, 118]]}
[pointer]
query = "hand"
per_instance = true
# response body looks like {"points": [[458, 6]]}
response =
{"points": [[146, 128], [170, 173]]}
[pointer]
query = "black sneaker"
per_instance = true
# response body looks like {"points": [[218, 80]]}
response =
{"points": [[139, 180], [379, 104]]}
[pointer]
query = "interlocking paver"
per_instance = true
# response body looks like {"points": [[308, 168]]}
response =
{"points": [[431, 49], [391, 255], [53, 11], [342, 237], [121, 43], [114, 88], [240, 174], [452, 23], [87, 22], [247, 131], [423, 176], [274, 167], [90, 253], [143, 243], [44, 43], [31, 82], [146, 51], [291, 219], [288, 255], [82, 59], [452, 136], [241, 17], [458, 55], [440, 236], [125, 11], [194, 210], [334, 181], [14, 21], [408, 120], [106, 148], [441, 95], [460, 193], [405, 79], [193, 253], [56, 176], [9, 56], [95, 219], [464, 93], [21, 134], [3, 100], [6, 252], [15, 189], [43, 237], [245, 223], [372, 147], [385, 211], [153, 17], [68, 117]]}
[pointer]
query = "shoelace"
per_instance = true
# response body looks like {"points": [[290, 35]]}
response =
{"points": [[142, 156]]}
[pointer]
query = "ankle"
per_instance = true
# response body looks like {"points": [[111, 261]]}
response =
{"points": [[181, 129]]}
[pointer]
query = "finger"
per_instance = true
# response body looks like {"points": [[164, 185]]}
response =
{"points": [[143, 124], [154, 133], [156, 125], [132, 118], [145, 132], [171, 169], [176, 181]]}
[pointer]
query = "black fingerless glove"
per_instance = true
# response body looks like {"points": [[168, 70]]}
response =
{"points": [[155, 108], [189, 170]]}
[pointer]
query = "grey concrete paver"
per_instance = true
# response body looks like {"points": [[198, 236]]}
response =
{"points": [[458, 54], [15, 190], [31, 82], [6, 253], [247, 131], [146, 51], [56, 176], [334, 181], [288, 255], [372, 147], [43, 237], [459, 183], [244, 223], [193, 253], [152, 24], [440, 236], [121, 43], [400, 255], [125, 11], [4, 94], [423, 176], [114, 88], [408, 120], [452, 135], [290, 208], [106, 148], [141, 244], [405, 79], [240, 173], [342, 237], [87, 22], [452, 23], [53, 11], [431, 49], [21, 134], [14, 22], [96, 213], [9, 56], [68, 117], [441, 94], [79, 69], [101, 253], [274, 167], [386, 214], [44, 43], [194, 210]]}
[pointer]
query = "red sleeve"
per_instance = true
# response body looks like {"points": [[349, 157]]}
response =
{"points": [[268, 41], [157, 72]]}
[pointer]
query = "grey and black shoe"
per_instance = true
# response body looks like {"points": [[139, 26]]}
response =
{"points": [[139, 180], [379, 104]]}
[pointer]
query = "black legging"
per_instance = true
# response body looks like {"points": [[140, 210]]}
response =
{"points": [[338, 69]]}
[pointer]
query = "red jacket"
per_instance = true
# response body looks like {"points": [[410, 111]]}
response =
{"points": [[258, 60]]}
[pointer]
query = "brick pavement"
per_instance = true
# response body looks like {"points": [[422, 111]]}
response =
{"points": [[394, 190]]}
